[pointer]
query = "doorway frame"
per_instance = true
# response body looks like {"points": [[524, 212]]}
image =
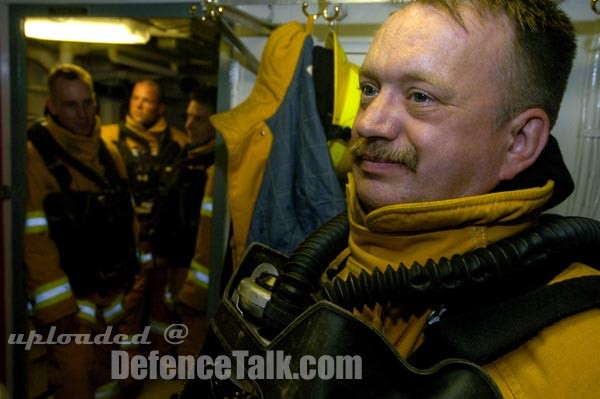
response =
{"points": [[13, 371]]}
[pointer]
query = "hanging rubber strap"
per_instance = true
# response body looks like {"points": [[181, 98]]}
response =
{"points": [[484, 335]]}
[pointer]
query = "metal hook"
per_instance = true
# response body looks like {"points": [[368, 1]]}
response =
{"points": [[336, 13], [309, 15], [593, 4], [213, 9], [194, 10], [209, 8]]}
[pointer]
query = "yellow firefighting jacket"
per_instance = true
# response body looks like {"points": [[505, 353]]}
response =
{"points": [[111, 133], [49, 291], [560, 362], [194, 292]]}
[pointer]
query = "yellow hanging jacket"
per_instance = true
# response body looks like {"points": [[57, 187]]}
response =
{"points": [[560, 362], [245, 130]]}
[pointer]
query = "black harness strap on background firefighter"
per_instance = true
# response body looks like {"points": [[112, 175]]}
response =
{"points": [[155, 180], [176, 222], [92, 230]]}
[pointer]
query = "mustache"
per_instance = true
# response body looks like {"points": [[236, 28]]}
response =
{"points": [[362, 148]]}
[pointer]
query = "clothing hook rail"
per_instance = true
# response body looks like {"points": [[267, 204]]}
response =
{"points": [[324, 12], [223, 15]]}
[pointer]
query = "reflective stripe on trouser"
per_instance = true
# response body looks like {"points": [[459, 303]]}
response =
{"points": [[108, 390], [168, 296], [206, 209], [156, 327], [127, 343], [145, 257], [198, 274]]}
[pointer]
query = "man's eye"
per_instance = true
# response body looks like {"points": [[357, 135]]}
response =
{"points": [[419, 97], [368, 89]]}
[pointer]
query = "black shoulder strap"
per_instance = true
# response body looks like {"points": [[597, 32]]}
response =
{"points": [[51, 152], [489, 333], [44, 144], [168, 149], [111, 172], [124, 133]]}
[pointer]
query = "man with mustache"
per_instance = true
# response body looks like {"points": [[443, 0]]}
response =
{"points": [[452, 152]]}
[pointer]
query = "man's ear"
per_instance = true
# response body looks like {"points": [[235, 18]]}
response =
{"points": [[50, 106], [529, 133]]}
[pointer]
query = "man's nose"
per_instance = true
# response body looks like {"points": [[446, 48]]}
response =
{"points": [[381, 117], [81, 111]]}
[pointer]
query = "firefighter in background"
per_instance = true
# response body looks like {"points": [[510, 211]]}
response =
{"points": [[80, 255], [150, 148], [177, 218], [190, 299]]}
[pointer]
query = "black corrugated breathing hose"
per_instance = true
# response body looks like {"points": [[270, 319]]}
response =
{"points": [[523, 253], [527, 252], [302, 272]]}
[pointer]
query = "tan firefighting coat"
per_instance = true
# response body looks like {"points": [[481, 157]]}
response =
{"points": [[49, 291], [560, 362]]}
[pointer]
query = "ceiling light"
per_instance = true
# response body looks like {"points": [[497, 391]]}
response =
{"points": [[90, 30]]}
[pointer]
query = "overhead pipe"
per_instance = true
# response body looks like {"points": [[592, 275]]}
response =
{"points": [[117, 57]]}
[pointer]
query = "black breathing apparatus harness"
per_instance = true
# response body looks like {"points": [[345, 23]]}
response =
{"points": [[273, 302], [146, 169]]}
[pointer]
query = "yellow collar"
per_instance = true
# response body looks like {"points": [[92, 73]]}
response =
{"points": [[406, 233], [152, 133], [477, 210], [84, 148]]}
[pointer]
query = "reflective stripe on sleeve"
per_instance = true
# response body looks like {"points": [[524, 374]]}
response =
{"points": [[51, 293], [115, 311], [36, 222], [87, 311]]}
